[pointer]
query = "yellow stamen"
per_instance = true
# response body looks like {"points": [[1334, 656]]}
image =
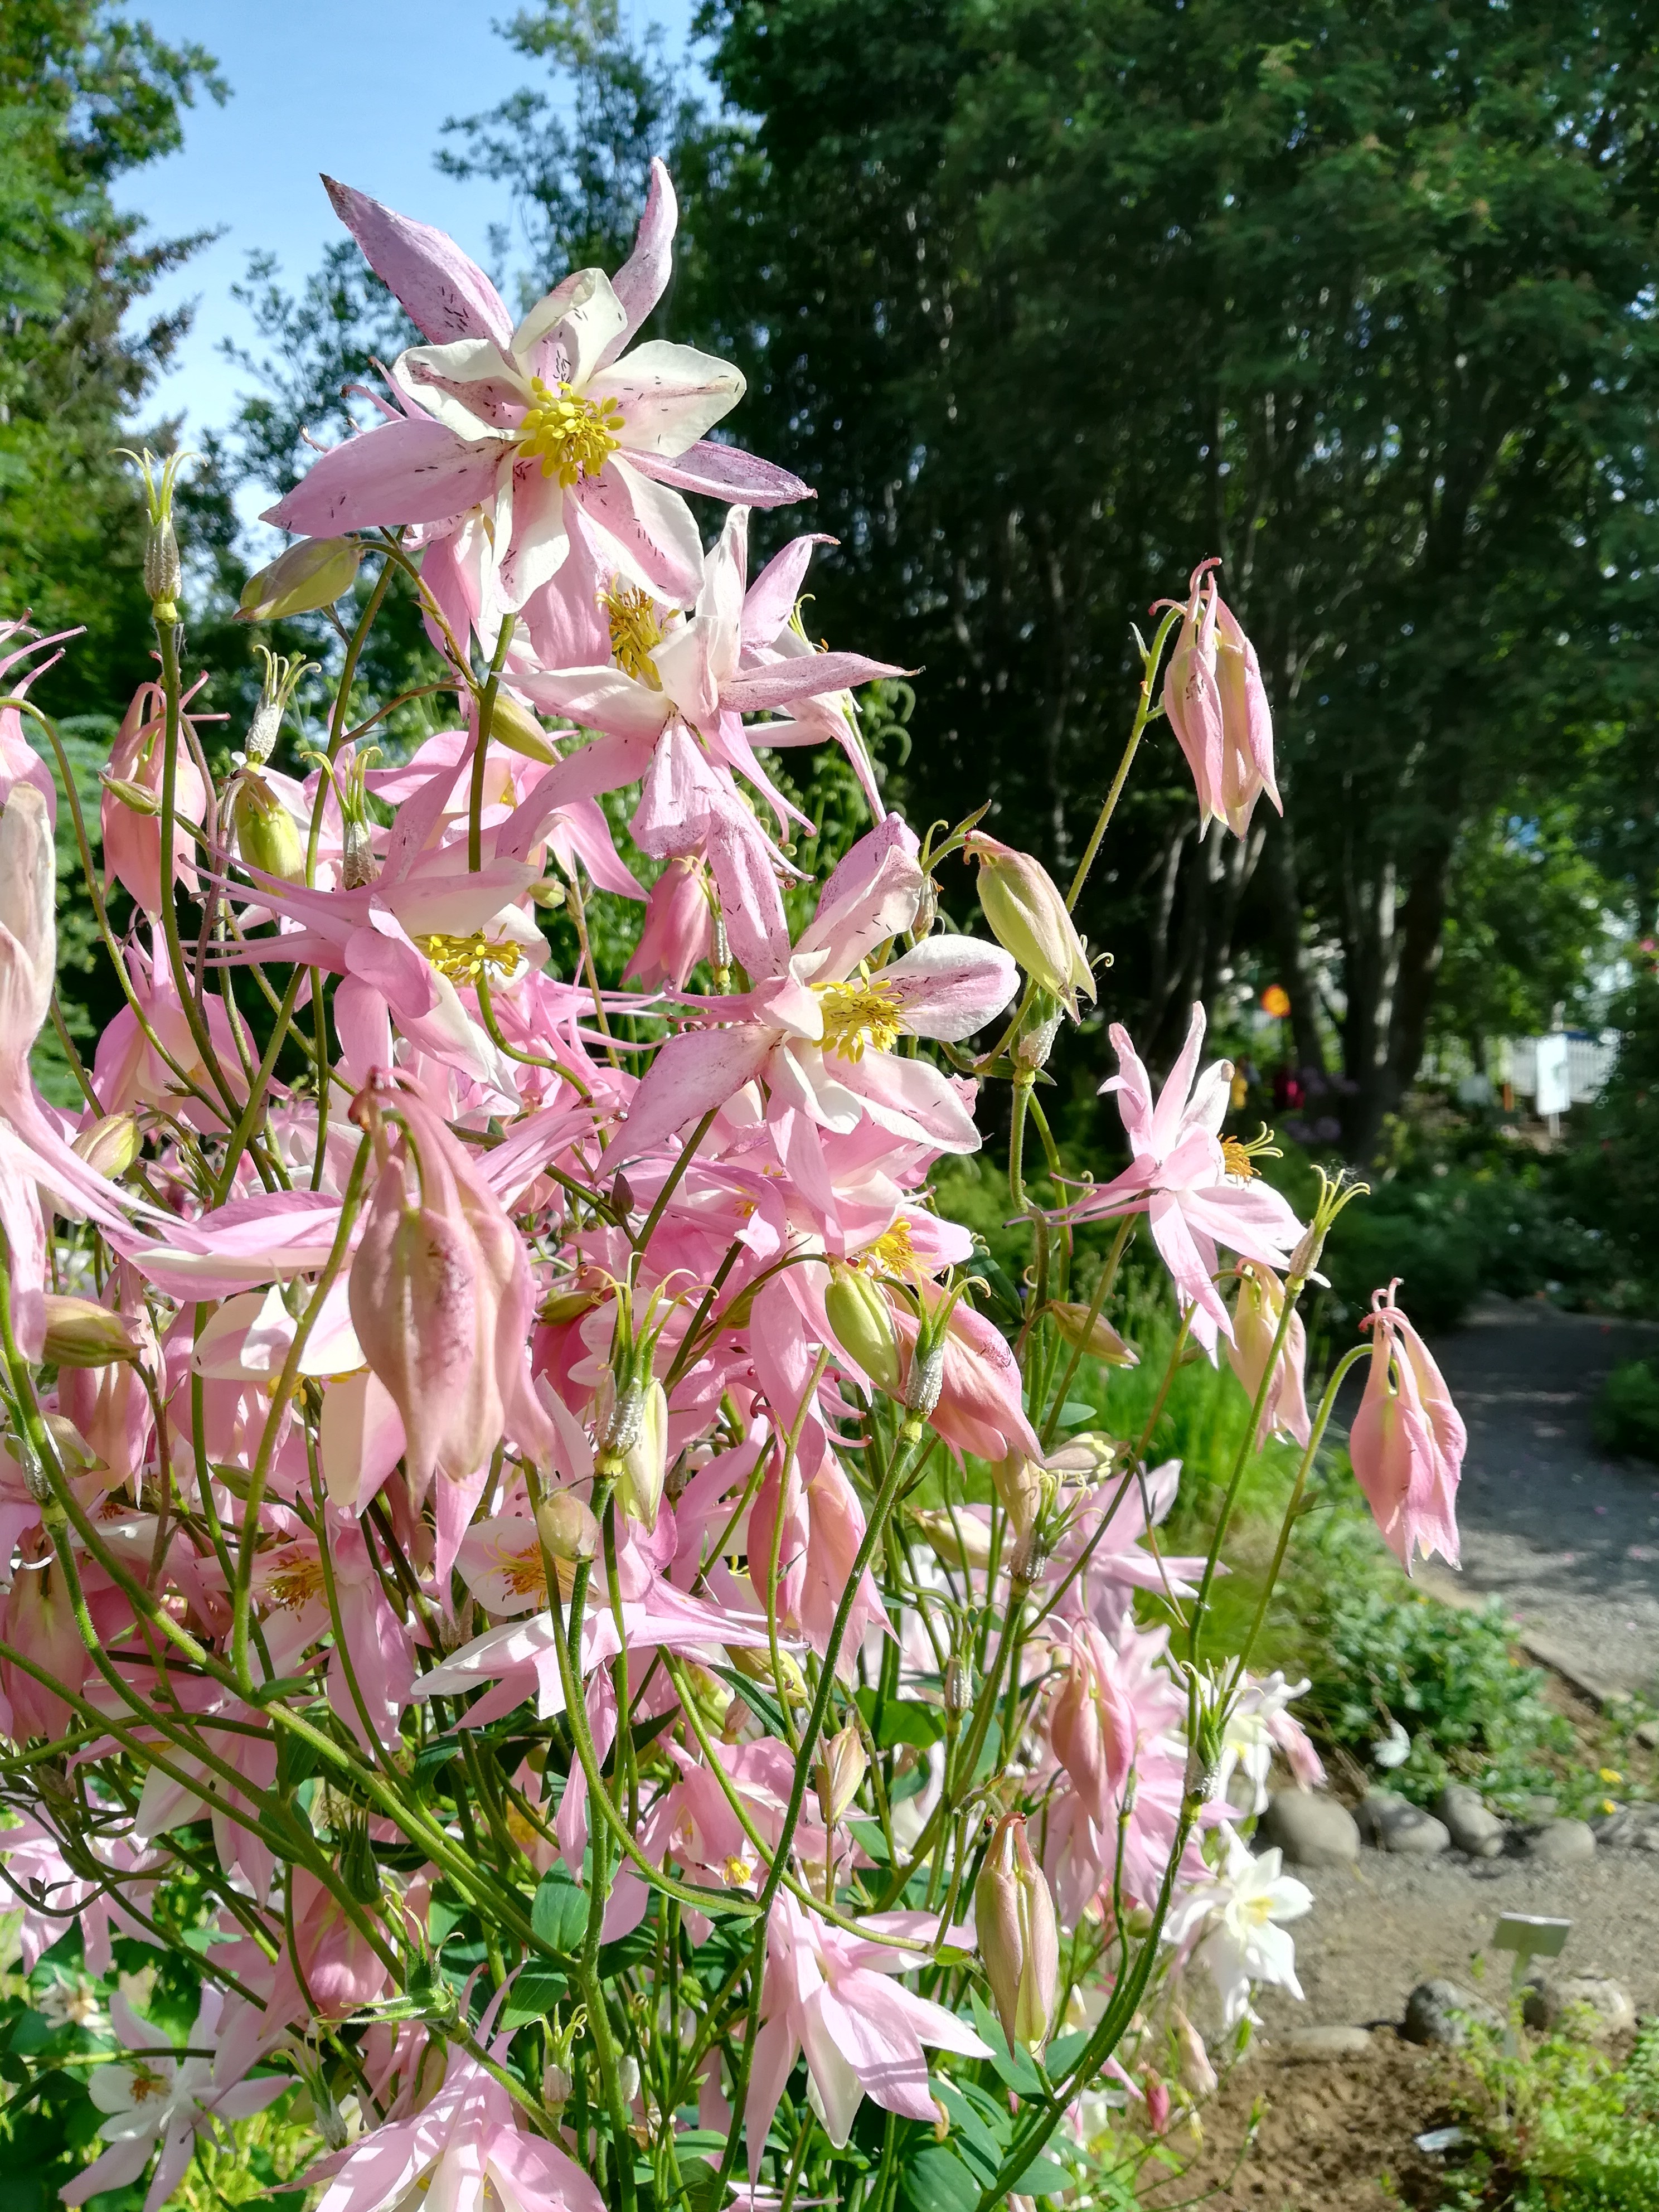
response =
{"points": [[295, 1583], [464, 959], [146, 2082], [634, 631], [737, 1871], [521, 1572], [857, 1014], [891, 1254], [572, 437], [1236, 1159]]}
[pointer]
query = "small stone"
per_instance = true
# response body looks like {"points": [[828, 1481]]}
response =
{"points": [[1537, 1805], [1312, 1831], [1588, 2007], [1393, 1823], [1560, 1843], [1472, 1825], [1442, 2012], [1304, 2044]]}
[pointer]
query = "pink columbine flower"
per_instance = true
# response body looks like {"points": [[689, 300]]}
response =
{"points": [[441, 1298], [170, 2102], [679, 928], [132, 838], [1217, 707], [827, 1993], [1407, 1440], [1196, 1191], [464, 2150], [818, 1026], [524, 423], [19, 761]]}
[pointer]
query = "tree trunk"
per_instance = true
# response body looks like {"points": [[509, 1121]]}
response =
{"points": [[1285, 906]]}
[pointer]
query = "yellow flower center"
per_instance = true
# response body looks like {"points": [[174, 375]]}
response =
{"points": [[857, 1014], [737, 1871], [464, 959], [891, 1254], [521, 1572], [572, 437], [295, 1583], [146, 2082], [1236, 1159], [634, 631]]}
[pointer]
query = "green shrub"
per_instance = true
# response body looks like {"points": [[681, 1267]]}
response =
{"points": [[1562, 2129], [1377, 1650], [1626, 1416]]}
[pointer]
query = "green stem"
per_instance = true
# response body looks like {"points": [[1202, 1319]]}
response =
{"points": [[1144, 713], [1316, 1438]]}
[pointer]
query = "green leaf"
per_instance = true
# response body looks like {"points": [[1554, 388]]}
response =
{"points": [[971, 2134], [761, 1703], [1064, 2052], [935, 2179], [872, 1840], [536, 1990], [1042, 2178], [559, 1915], [1014, 2067], [900, 1720], [1074, 1414]]}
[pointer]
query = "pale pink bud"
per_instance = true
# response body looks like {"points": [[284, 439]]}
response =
{"points": [[1197, 2074], [679, 928], [1216, 705], [1030, 919], [1092, 1726], [1020, 1483], [41, 1626], [1089, 1333], [1018, 1940], [338, 1964], [1157, 2095], [1256, 1324], [841, 1775], [132, 841]]}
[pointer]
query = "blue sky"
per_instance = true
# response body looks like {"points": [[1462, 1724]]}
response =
{"points": [[359, 90]]}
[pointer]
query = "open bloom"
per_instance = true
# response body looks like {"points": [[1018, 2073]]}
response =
{"points": [[818, 1028], [1407, 1440], [828, 1993], [1196, 1189], [1233, 1925], [464, 2150], [150, 2099], [520, 423], [1217, 707]]}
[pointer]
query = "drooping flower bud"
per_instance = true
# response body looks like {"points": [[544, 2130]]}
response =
{"points": [[1018, 1940], [1087, 1332], [110, 1146], [517, 728], [858, 1312], [313, 572], [567, 1527], [1216, 706], [1020, 1484], [266, 834], [80, 1333], [1029, 917], [840, 1773], [1256, 1316]]}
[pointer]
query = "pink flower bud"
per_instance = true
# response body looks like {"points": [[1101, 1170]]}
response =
{"points": [[1256, 1324], [132, 841], [336, 1962], [1018, 1940], [1217, 707], [679, 928]]}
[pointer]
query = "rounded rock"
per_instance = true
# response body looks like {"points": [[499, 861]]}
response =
{"points": [[1628, 1828], [1471, 1824], [1560, 1843], [1304, 2044], [1442, 2012], [1590, 2008], [1395, 1823], [1310, 1829]]}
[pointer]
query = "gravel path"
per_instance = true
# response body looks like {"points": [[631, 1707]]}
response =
{"points": [[1567, 1538]]}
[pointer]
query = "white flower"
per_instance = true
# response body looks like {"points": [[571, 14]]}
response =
{"points": [[1232, 1924], [74, 2001], [1258, 1726]]}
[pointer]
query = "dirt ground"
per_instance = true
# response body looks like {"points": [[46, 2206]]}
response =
{"points": [[1328, 2132]]}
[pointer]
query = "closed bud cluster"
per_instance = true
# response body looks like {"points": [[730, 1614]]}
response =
{"points": [[1030, 919], [312, 573], [164, 573], [1018, 1940]]}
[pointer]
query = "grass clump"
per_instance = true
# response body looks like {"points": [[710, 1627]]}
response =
{"points": [[1626, 1416]]}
